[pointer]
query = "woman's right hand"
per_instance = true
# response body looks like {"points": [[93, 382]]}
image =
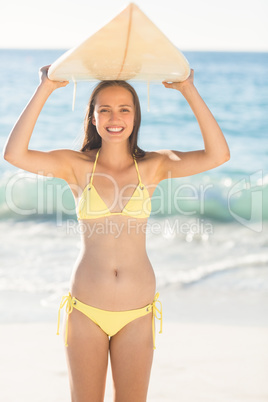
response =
{"points": [[44, 80]]}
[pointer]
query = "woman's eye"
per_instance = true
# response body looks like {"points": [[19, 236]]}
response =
{"points": [[125, 110], [103, 110]]}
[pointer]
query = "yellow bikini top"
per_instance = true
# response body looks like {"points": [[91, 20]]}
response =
{"points": [[91, 205]]}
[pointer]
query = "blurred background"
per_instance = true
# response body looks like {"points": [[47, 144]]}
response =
{"points": [[207, 235]]}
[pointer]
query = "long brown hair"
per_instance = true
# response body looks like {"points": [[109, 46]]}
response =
{"points": [[92, 139]]}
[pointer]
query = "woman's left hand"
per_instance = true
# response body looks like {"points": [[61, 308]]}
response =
{"points": [[181, 85]]}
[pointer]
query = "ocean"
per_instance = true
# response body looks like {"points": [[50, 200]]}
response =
{"points": [[209, 232]]}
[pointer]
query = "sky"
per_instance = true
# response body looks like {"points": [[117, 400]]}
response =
{"points": [[235, 25]]}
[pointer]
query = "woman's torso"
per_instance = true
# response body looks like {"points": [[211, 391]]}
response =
{"points": [[113, 271]]}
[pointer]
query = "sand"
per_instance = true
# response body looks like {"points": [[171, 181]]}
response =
{"points": [[193, 362]]}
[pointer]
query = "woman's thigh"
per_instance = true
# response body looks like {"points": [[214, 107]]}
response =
{"points": [[87, 358], [131, 353]]}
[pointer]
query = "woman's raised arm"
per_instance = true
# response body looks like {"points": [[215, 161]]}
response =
{"points": [[16, 149], [216, 152]]}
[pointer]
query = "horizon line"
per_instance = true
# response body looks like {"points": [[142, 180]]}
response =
{"points": [[181, 49]]}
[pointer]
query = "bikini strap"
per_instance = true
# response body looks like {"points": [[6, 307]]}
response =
{"points": [[158, 314], [140, 182], [68, 302], [94, 166]]}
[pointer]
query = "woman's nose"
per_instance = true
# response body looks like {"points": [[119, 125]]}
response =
{"points": [[114, 116]]}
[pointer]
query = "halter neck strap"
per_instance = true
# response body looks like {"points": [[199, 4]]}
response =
{"points": [[140, 183], [94, 167], [95, 163]]}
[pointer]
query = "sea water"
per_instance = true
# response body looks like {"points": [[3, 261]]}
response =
{"points": [[207, 233]]}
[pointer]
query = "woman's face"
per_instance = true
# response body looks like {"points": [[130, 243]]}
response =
{"points": [[114, 114]]}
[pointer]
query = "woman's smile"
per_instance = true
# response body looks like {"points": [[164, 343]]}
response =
{"points": [[115, 130]]}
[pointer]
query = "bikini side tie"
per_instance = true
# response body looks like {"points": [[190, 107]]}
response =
{"points": [[160, 317], [69, 308]]}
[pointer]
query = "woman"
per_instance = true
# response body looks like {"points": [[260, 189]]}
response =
{"points": [[112, 301]]}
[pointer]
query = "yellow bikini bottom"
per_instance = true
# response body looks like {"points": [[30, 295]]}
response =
{"points": [[110, 321]]}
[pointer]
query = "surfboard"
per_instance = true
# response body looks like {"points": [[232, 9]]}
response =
{"points": [[129, 47]]}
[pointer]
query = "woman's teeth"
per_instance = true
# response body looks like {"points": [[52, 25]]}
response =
{"points": [[115, 129]]}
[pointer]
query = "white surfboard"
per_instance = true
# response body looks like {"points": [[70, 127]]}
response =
{"points": [[130, 47]]}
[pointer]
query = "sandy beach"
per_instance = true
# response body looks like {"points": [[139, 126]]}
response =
{"points": [[194, 361]]}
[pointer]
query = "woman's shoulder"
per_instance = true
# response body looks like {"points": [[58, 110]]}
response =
{"points": [[151, 163], [155, 157], [78, 161], [76, 156], [81, 163]]}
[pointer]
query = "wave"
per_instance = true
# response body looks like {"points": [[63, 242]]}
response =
{"points": [[222, 198], [241, 273]]}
